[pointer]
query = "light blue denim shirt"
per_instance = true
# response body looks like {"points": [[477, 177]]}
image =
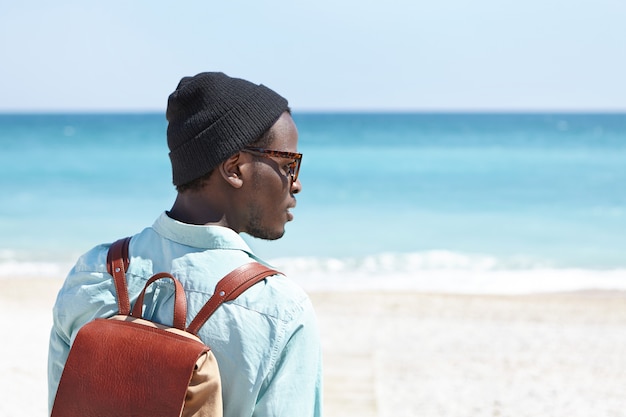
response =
{"points": [[266, 341]]}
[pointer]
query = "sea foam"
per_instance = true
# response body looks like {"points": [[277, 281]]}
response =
{"points": [[446, 272], [437, 271]]}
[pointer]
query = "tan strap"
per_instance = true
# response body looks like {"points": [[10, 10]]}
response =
{"points": [[229, 288], [117, 263]]}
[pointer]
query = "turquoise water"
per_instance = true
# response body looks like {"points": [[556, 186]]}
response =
{"points": [[525, 190]]}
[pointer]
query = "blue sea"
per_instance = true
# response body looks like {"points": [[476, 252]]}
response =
{"points": [[385, 195]]}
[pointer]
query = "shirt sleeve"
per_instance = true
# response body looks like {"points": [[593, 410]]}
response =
{"points": [[83, 297], [294, 387], [58, 351]]}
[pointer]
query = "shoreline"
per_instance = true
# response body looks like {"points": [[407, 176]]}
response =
{"points": [[427, 281], [407, 353]]}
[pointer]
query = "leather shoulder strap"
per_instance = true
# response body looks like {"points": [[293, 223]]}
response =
{"points": [[117, 264], [229, 288]]}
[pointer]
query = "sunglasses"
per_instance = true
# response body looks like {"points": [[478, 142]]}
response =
{"points": [[294, 167]]}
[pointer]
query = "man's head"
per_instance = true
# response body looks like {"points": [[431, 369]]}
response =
{"points": [[233, 148]]}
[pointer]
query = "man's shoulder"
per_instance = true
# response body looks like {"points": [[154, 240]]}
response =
{"points": [[94, 260], [281, 297], [276, 297]]}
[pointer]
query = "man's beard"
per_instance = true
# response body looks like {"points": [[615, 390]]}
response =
{"points": [[256, 229]]}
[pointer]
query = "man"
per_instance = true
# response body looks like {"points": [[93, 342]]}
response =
{"points": [[233, 149]]}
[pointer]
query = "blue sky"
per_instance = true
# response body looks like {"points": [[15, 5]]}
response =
{"points": [[443, 55]]}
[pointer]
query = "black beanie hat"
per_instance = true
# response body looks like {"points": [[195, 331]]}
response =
{"points": [[213, 116]]}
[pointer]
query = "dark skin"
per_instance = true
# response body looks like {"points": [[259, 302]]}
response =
{"points": [[247, 193]]}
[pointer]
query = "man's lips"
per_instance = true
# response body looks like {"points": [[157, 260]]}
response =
{"points": [[289, 214]]}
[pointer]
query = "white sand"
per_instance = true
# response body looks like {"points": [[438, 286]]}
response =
{"points": [[407, 354], [26, 306]]}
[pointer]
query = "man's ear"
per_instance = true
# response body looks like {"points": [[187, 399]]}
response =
{"points": [[230, 171]]}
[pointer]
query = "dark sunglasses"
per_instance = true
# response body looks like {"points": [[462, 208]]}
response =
{"points": [[294, 167]]}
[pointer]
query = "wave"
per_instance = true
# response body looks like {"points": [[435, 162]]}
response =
{"points": [[439, 271], [446, 272], [415, 261]]}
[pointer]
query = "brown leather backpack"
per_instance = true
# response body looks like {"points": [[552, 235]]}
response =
{"points": [[128, 366]]}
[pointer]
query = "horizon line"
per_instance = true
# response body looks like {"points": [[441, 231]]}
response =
{"points": [[323, 111]]}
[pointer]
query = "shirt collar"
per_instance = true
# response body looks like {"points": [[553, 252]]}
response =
{"points": [[199, 236]]}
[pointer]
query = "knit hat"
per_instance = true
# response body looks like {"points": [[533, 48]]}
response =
{"points": [[213, 116]]}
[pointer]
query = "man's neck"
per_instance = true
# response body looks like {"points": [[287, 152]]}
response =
{"points": [[192, 209]]}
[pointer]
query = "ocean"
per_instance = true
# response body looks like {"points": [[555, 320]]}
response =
{"points": [[429, 201]]}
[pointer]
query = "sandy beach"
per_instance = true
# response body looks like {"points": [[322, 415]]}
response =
{"points": [[407, 353], [410, 354]]}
